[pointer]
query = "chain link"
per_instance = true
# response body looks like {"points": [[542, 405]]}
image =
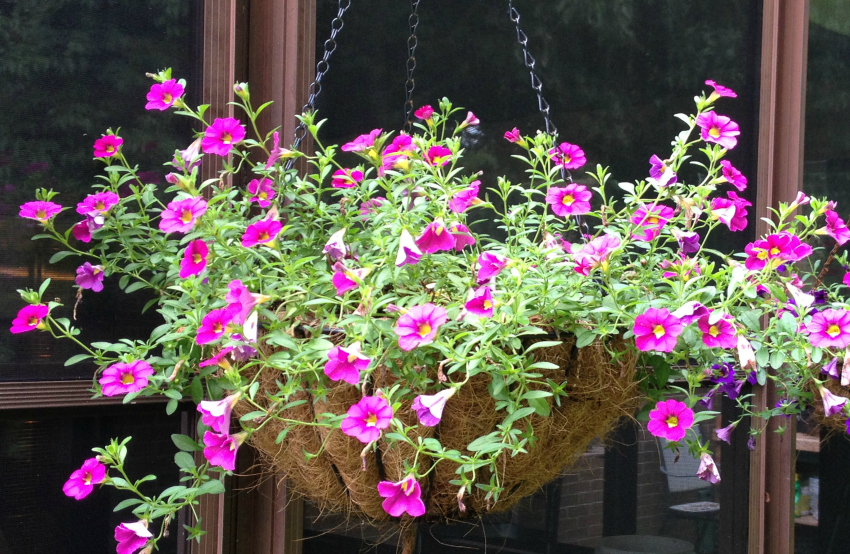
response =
{"points": [[321, 68], [412, 42]]}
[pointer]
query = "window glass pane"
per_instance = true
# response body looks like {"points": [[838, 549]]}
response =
{"points": [[71, 70], [614, 73]]}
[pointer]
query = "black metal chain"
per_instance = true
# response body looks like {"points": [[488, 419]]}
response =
{"points": [[321, 68], [412, 42]]}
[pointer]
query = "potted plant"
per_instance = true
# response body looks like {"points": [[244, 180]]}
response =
{"points": [[353, 325]]}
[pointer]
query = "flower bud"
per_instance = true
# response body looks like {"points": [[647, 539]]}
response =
{"points": [[241, 90]]}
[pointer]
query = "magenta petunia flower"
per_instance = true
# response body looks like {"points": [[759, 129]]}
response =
{"points": [[438, 156], [733, 176], [463, 236], [481, 302], [367, 418], [362, 143], [718, 129], [429, 407], [219, 359], [220, 449], [220, 137], [435, 237], [107, 146], [180, 216], [425, 112], [215, 414], [471, 119], [568, 155], [419, 326], [670, 420], [650, 220], [661, 174], [725, 433], [731, 211], [90, 277], [262, 191], [802, 199], [131, 537], [402, 497], [408, 252], [345, 279], [830, 329], [81, 232], [776, 249], [720, 90], [717, 331], [514, 136], [346, 178], [835, 228], [163, 95], [121, 378], [242, 301], [832, 404], [396, 155], [345, 364], [261, 232], [335, 248], [707, 470], [573, 199], [657, 329], [98, 203], [490, 265], [29, 318], [462, 200], [194, 259], [214, 324], [371, 206], [689, 241], [82, 482], [40, 211]]}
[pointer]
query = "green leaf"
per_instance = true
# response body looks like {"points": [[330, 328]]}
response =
{"points": [[135, 286], [777, 358], [480, 442], [60, 256], [43, 288], [184, 460], [536, 394], [540, 406], [126, 504], [173, 394], [251, 415], [542, 344], [788, 323], [185, 443], [196, 389], [762, 356], [584, 337], [76, 359], [211, 487], [517, 415], [752, 319]]}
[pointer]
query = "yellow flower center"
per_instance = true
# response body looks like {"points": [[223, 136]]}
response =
{"points": [[762, 255], [110, 148], [33, 320], [371, 420], [663, 168], [127, 379], [672, 421], [351, 358], [652, 220], [424, 329], [186, 216], [438, 230], [487, 304], [217, 328], [99, 206], [41, 214], [263, 236], [834, 330], [774, 251], [263, 195], [87, 478], [95, 270], [405, 485], [713, 331], [196, 258], [166, 98], [658, 331], [714, 132], [567, 158], [226, 138], [568, 200]]}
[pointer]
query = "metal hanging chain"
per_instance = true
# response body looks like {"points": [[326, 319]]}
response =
{"points": [[412, 42], [321, 68]]}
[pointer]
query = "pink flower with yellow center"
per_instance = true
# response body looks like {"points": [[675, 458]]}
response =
{"points": [[220, 359], [180, 216], [489, 266], [835, 228], [346, 178], [39, 210], [481, 302], [214, 324], [29, 318], [98, 203], [107, 146], [670, 420], [438, 156], [419, 326], [650, 220], [404, 497], [731, 211], [733, 176], [215, 414], [573, 199], [242, 301], [163, 95], [220, 449], [131, 537], [568, 156], [435, 237], [775, 249], [830, 329], [121, 378], [194, 259], [463, 236], [362, 143], [90, 277], [82, 482], [262, 191], [345, 364], [261, 232], [367, 418], [718, 129], [462, 200], [720, 91], [396, 155], [425, 112], [222, 135], [345, 279], [657, 329], [429, 407], [717, 331]]}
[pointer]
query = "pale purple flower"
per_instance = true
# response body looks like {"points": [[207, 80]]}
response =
{"points": [[429, 407], [90, 277], [335, 248], [367, 418], [725, 433], [371, 206], [707, 470], [832, 404], [661, 174], [831, 369], [419, 325]]}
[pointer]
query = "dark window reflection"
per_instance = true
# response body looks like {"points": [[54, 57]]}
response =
{"points": [[71, 70], [39, 450]]}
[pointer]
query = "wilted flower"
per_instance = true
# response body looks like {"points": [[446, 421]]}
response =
{"points": [[371, 206], [690, 312], [408, 252], [746, 355], [732, 211], [335, 247], [425, 112], [835, 228], [725, 433], [831, 369], [660, 174], [707, 470], [514, 136]]}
